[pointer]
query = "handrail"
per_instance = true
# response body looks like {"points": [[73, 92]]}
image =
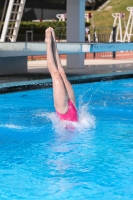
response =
{"points": [[3, 14], [11, 30]]}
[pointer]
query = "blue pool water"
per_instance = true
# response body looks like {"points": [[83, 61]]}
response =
{"points": [[41, 160]]}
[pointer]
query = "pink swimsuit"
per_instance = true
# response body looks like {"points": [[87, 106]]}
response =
{"points": [[71, 114]]}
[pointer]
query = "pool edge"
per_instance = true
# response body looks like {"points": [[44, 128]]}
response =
{"points": [[74, 79]]}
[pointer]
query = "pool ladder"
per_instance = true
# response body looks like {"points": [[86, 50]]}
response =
{"points": [[12, 20]]}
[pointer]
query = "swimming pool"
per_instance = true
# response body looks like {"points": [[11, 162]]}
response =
{"points": [[40, 160]]}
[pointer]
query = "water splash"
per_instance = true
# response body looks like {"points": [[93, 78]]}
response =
{"points": [[12, 126], [86, 121]]}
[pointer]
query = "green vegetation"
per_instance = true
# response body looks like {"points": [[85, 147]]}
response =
{"points": [[104, 17], [48, 1], [40, 27], [101, 19]]}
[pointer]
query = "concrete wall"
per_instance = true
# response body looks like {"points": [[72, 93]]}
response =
{"points": [[13, 65], [75, 30]]}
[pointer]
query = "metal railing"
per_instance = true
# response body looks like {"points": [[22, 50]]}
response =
{"points": [[96, 34]]}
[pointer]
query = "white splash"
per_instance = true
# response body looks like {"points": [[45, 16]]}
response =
{"points": [[86, 121], [11, 126]]}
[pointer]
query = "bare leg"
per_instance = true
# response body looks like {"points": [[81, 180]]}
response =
{"points": [[61, 70], [59, 90]]}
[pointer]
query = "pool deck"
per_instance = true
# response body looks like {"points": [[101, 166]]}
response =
{"points": [[93, 69], [91, 66]]}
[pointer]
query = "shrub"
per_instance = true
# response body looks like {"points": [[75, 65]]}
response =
{"points": [[40, 27]]}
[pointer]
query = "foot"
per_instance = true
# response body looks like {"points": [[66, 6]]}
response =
{"points": [[53, 34], [48, 38]]}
